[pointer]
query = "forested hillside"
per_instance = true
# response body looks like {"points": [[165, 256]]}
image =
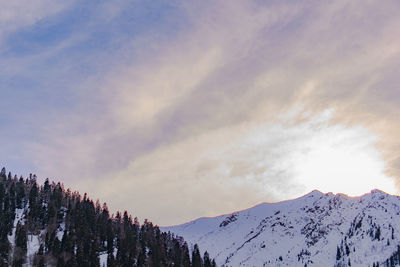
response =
{"points": [[48, 225]]}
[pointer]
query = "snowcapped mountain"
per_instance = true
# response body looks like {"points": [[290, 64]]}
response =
{"points": [[314, 230]]}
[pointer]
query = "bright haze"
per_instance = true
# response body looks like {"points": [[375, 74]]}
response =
{"points": [[175, 110]]}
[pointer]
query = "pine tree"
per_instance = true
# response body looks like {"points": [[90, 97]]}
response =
{"points": [[186, 257], [206, 260], [378, 233], [196, 258], [20, 193], [338, 254], [20, 237], [3, 173], [20, 246]]}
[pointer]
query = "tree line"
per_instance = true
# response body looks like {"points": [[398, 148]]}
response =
{"points": [[73, 230]]}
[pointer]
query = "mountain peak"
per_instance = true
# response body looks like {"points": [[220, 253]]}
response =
{"points": [[315, 193], [378, 192]]}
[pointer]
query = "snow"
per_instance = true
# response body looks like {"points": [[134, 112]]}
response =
{"points": [[60, 231], [19, 213], [302, 231], [33, 245], [33, 241], [103, 259], [115, 252]]}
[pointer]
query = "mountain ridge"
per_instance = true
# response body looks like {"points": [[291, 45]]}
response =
{"points": [[297, 232], [312, 192]]}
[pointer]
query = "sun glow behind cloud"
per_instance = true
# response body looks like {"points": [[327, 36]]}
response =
{"points": [[342, 159], [316, 154]]}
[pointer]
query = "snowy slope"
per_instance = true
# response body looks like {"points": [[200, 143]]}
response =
{"points": [[33, 241], [314, 230]]}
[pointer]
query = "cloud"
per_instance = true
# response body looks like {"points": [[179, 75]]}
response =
{"points": [[234, 167], [213, 111], [23, 13]]}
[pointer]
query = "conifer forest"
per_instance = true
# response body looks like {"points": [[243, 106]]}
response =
{"points": [[48, 225]]}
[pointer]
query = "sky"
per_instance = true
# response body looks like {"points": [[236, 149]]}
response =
{"points": [[175, 110]]}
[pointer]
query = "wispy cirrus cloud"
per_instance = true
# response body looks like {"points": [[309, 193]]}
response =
{"points": [[188, 109]]}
